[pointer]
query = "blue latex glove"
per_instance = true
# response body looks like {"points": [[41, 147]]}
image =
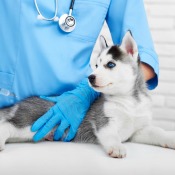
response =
{"points": [[68, 112]]}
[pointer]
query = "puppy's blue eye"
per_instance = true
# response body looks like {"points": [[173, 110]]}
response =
{"points": [[111, 65]]}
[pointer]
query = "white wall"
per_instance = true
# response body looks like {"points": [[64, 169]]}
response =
{"points": [[161, 17]]}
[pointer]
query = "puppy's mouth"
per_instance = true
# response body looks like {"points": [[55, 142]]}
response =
{"points": [[97, 86]]}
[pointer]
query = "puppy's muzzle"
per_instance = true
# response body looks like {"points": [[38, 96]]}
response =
{"points": [[92, 79]]}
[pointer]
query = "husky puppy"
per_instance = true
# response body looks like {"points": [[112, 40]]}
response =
{"points": [[122, 112]]}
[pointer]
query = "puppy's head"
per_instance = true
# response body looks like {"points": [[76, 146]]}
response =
{"points": [[115, 69]]}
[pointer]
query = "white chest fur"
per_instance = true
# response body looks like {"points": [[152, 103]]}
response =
{"points": [[127, 115]]}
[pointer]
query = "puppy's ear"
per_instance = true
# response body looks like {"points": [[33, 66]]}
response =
{"points": [[103, 43], [129, 45]]}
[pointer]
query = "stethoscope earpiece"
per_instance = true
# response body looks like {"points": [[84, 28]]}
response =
{"points": [[56, 19], [39, 17], [66, 22]]}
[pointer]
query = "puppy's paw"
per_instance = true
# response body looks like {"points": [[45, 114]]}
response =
{"points": [[2, 146], [170, 144], [118, 151], [169, 140]]}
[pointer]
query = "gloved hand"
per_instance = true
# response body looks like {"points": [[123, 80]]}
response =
{"points": [[69, 111]]}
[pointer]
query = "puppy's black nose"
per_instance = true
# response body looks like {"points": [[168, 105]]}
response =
{"points": [[92, 79]]}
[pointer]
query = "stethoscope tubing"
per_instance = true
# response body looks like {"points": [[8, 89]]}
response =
{"points": [[72, 4], [44, 18], [71, 7], [66, 21]]}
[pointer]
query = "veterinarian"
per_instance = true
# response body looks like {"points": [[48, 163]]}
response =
{"points": [[50, 56]]}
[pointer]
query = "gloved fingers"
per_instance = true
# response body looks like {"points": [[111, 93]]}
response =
{"points": [[42, 121], [71, 134], [60, 130], [52, 99], [47, 128]]}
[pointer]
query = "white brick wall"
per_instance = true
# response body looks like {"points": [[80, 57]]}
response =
{"points": [[161, 17]]}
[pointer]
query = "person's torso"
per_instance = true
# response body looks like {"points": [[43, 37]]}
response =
{"points": [[36, 57]]}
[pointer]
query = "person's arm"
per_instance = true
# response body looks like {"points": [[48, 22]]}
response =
{"points": [[68, 112], [124, 15], [148, 71]]}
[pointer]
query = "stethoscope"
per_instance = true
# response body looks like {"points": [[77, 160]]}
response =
{"points": [[66, 22]]}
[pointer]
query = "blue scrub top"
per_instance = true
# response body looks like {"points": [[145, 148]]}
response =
{"points": [[37, 58]]}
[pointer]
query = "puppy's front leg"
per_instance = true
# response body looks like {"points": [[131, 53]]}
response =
{"points": [[155, 136], [108, 137]]}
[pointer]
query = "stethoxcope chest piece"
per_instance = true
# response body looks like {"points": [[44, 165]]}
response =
{"points": [[66, 22]]}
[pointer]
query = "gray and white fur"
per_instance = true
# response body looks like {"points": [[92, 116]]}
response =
{"points": [[122, 113]]}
